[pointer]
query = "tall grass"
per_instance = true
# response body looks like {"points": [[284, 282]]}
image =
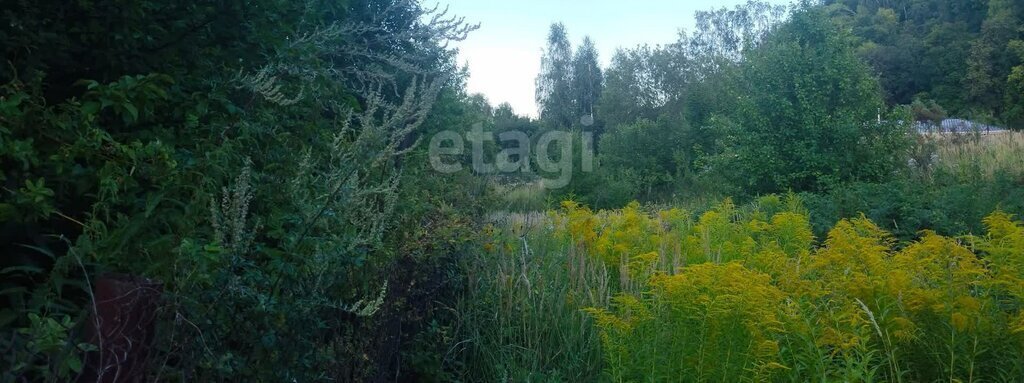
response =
{"points": [[740, 294], [982, 157], [520, 317], [521, 197]]}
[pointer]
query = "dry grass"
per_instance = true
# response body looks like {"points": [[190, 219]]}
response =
{"points": [[521, 197], [982, 156]]}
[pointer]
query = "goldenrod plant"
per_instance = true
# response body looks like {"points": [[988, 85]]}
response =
{"points": [[748, 294]]}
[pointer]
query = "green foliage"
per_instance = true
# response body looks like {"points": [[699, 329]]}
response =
{"points": [[744, 293], [927, 111], [662, 165], [250, 157], [587, 81], [806, 119], [1015, 87], [260, 160], [951, 196], [958, 53], [47, 337], [749, 104], [555, 98]]}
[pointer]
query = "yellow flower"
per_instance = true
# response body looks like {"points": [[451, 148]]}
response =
{"points": [[960, 321]]}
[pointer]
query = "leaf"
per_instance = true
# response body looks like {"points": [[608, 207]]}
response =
{"points": [[87, 347], [132, 111], [90, 108], [42, 251], [88, 84], [74, 363], [13, 101], [152, 201]]}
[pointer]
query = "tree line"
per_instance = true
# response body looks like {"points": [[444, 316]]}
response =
{"points": [[763, 98]]}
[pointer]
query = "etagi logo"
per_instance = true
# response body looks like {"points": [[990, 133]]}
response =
{"points": [[516, 153]]}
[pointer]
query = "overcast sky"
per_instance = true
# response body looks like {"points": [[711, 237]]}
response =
{"points": [[504, 54]]}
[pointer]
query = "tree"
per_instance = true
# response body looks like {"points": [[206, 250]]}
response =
{"points": [[991, 61], [806, 114], [953, 52], [653, 154], [1015, 88], [587, 81], [554, 83], [722, 35], [634, 86]]}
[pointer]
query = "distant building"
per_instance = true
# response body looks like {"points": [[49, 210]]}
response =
{"points": [[957, 126]]}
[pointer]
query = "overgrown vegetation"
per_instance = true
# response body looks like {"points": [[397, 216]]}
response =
{"points": [[953, 186], [880, 265], [256, 159], [744, 293], [765, 99], [239, 191]]}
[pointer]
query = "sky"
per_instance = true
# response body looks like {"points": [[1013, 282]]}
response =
{"points": [[503, 56]]}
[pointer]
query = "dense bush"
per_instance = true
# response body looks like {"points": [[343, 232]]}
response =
{"points": [[807, 115], [958, 182], [909, 206], [660, 169], [256, 159]]}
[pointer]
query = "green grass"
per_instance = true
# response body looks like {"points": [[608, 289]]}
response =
{"points": [[516, 322]]}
